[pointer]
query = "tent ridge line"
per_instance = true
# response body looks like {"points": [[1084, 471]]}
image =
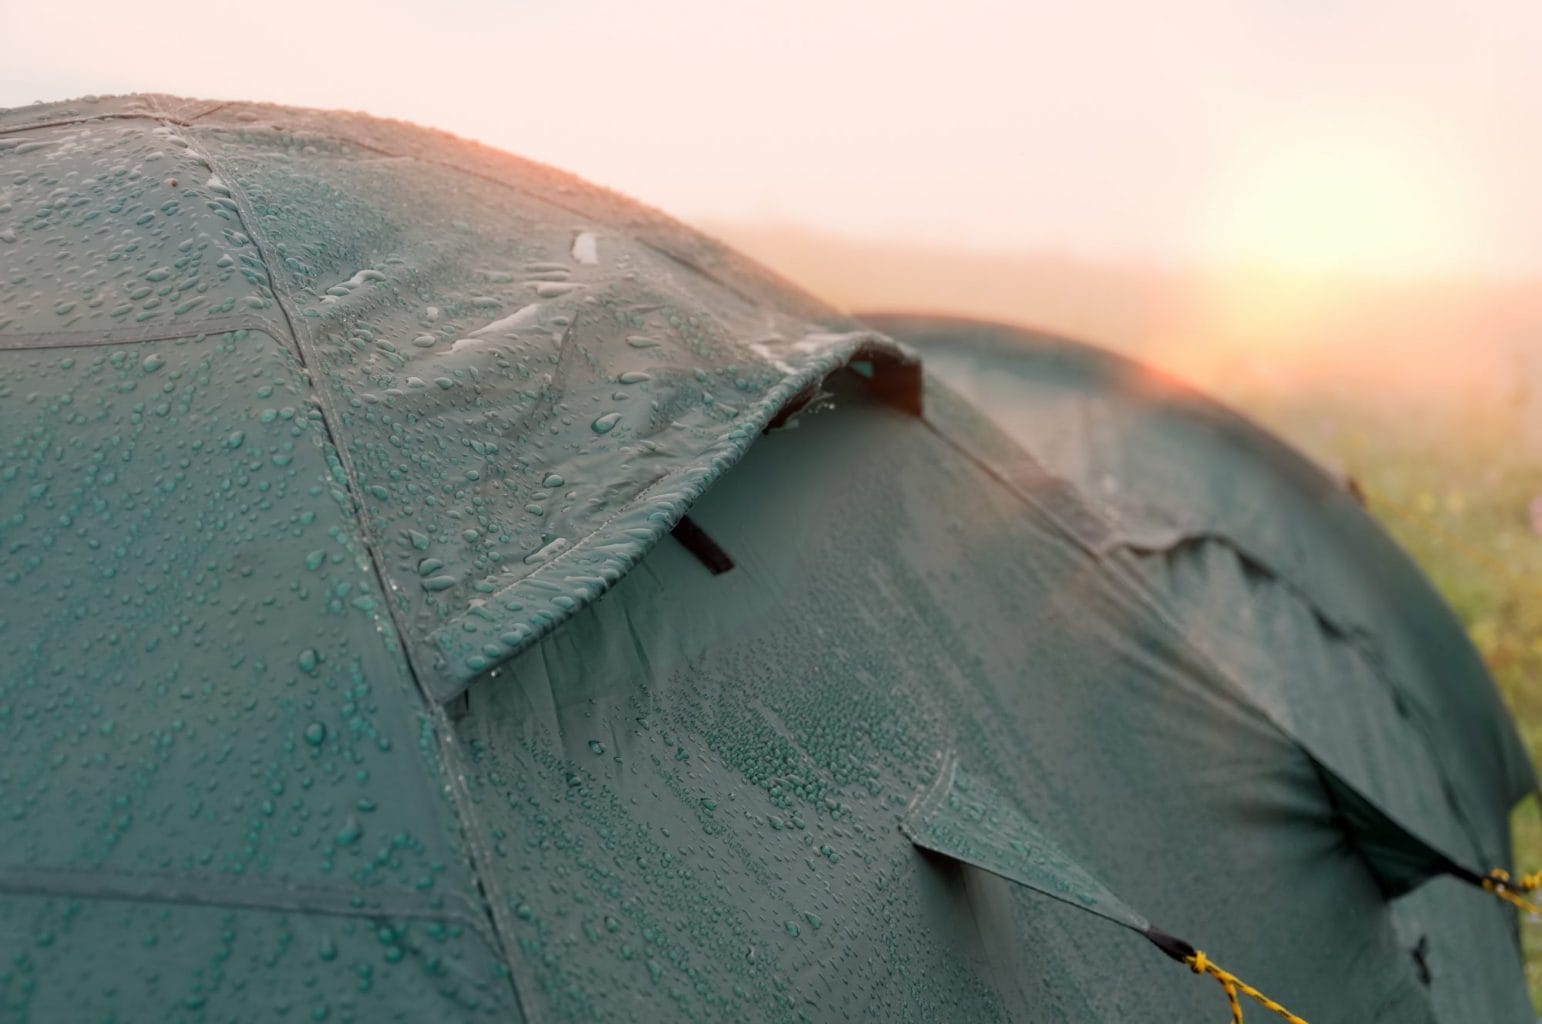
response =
{"points": [[1086, 545]]}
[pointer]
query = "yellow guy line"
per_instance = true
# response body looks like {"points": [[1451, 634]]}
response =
{"points": [[1500, 884], [1231, 984]]}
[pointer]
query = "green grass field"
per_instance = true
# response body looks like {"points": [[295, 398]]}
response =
{"points": [[1455, 487]]}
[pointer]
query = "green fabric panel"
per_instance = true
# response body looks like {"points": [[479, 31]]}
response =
{"points": [[1336, 690], [119, 228], [203, 699], [1463, 937], [964, 818], [696, 767], [527, 393], [1468, 948], [1168, 467], [109, 960], [1243, 617]]}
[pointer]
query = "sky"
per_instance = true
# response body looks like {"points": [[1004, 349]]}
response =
{"points": [[1391, 138]]}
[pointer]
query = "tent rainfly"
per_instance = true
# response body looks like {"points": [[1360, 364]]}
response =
{"points": [[434, 588]]}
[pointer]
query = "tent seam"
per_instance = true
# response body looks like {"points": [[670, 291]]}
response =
{"points": [[44, 340], [220, 892], [477, 857]]}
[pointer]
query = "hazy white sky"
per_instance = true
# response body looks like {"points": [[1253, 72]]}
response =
{"points": [[1390, 136]]}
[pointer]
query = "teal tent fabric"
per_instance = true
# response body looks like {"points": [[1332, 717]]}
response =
{"points": [[528, 387], [1258, 552], [216, 768], [351, 670], [707, 760]]}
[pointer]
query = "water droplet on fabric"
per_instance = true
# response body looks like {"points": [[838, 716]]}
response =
{"points": [[586, 248]]}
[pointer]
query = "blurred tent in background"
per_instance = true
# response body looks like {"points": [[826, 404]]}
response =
{"points": [[359, 661]]}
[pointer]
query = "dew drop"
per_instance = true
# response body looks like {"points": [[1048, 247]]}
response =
{"points": [[547, 552], [351, 832]]}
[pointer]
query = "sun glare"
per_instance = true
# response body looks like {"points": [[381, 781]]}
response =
{"points": [[1339, 199]]}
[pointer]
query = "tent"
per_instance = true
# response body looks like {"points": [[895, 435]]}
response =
{"points": [[434, 588]]}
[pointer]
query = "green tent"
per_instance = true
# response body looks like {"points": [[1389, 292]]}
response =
{"points": [[359, 659]]}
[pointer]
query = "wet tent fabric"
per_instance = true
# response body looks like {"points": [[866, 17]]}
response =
{"points": [[350, 669], [222, 795], [717, 769], [1177, 476], [1259, 552], [283, 400], [523, 397]]}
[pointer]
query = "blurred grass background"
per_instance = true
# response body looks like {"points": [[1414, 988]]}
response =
{"points": [[1428, 393]]}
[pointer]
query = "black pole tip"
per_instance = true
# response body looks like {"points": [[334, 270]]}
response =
{"points": [[1170, 944]]}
